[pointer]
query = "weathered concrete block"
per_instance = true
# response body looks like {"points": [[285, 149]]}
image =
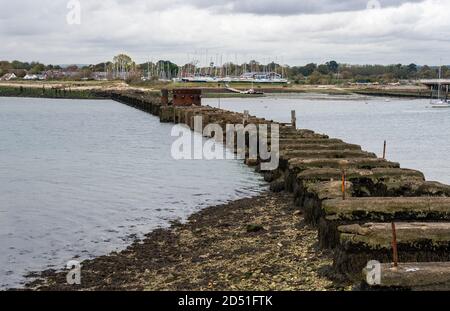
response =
{"points": [[417, 242], [433, 188], [304, 133], [379, 182], [310, 141], [311, 198], [301, 146], [415, 276], [287, 155], [338, 212], [166, 114], [298, 165]]}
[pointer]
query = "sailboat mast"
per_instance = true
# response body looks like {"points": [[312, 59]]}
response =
{"points": [[439, 82]]}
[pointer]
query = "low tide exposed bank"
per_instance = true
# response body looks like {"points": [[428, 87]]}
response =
{"points": [[260, 243], [93, 90]]}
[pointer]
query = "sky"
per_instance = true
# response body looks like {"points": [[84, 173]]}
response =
{"points": [[293, 32]]}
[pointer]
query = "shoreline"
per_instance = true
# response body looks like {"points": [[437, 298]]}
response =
{"points": [[92, 90], [260, 243]]}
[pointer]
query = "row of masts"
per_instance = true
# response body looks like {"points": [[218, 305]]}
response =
{"points": [[166, 70], [214, 67]]}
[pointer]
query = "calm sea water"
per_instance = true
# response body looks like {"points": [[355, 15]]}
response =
{"points": [[417, 136], [84, 178]]}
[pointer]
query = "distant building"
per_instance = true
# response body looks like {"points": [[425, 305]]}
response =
{"points": [[71, 74], [35, 77], [55, 74], [8, 76], [30, 77], [261, 75], [100, 76]]}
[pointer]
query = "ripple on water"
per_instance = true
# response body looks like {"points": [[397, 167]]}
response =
{"points": [[81, 179]]}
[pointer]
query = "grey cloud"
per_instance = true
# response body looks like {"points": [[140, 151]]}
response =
{"points": [[296, 31], [289, 7]]}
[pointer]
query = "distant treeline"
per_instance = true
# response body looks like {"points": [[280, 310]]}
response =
{"points": [[22, 68], [331, 72]]}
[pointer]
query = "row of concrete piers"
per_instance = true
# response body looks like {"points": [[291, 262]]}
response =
{"points": [[387, 227]]}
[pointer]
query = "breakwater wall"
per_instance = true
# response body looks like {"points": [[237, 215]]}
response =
{"points": [[366, 209]]}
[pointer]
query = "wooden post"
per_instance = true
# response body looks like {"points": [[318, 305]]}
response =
{"points": [[164, 97], [384, 150], [246, 117], [394, 246], [293, 119]]}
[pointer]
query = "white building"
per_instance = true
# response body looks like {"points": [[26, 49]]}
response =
{"points": [[263, 77], [30, 77], [35, 77], [8, 76]]}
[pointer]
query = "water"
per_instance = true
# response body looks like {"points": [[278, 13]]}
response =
{"points": [[82, 178], [417, 135]]}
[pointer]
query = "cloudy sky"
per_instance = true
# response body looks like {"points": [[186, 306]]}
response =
{"points": [[294, 32]]}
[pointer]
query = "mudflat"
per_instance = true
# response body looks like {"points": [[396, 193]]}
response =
{"points": [[259, 243]]}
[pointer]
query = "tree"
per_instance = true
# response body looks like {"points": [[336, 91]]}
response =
{"points": [[346, 75], [323, 69], [4, 67], [20, 65], [426, 73], [122, 65], [101, 66], [315, 78], [333, 66], [123, 62], [412, 68], [445, 72], [308, 69], [38, 68]]}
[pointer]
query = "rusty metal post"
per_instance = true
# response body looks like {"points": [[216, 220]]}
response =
{"points": [[294, 119], [343, 185], [384, 150], [394, 246]]}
